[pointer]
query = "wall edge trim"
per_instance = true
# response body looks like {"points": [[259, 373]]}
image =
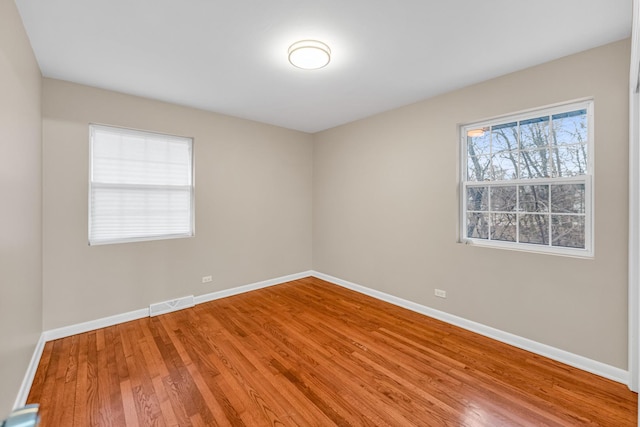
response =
{"points": [[593, 366], [79, 328], [92, 325], [27, 381], [200, 299], [571, 359]]}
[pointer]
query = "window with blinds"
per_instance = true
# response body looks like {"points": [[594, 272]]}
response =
{"points": [[140, 186]]}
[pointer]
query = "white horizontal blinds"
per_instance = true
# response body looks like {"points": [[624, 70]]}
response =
{"points": [[141, 186]]}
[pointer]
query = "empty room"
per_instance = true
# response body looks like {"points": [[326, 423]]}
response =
{"points": [[249, 213]]}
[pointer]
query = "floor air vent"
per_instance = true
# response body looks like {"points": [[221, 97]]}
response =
{"points": [[171, 305]]}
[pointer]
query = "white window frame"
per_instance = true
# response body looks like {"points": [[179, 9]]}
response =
{"points": [[143, 187], [587, 180]]}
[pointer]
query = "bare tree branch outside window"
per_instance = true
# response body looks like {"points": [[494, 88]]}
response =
{"points": [[516, 180]]}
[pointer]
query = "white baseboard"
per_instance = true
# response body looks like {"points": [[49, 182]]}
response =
{"points": [[580, 362], [571, 359], [251, 287], [79, 328], [92, 325], [25, 387], [66, 331], [165, 307]]}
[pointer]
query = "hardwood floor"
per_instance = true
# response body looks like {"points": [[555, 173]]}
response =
{"points": [[309, 353]]}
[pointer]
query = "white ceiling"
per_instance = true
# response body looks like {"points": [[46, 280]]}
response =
{"points": [[230, 56]]}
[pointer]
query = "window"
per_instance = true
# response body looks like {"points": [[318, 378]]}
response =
{"points": [[140, 186], [527, 181]]}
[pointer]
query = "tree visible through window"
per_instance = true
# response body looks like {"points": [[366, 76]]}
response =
{"points": [[526, 181]]}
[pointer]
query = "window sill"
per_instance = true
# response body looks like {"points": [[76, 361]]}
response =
{"points": [[531, 248]]}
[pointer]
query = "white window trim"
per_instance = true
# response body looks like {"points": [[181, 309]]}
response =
{"points": [[588, 180], [92, 184]]}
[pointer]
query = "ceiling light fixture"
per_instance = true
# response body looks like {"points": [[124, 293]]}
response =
{"points": [[309, 54], [475, 133]]}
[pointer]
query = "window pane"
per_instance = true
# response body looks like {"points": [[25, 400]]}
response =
{"points": [[534, 198], [126, 213], [140, 185], [570, 128], [534, 133], [504, 165], [478, 168], [504, 137], [503, 198], [477, 226], [569, 160], [534, 164], [526, 180], [119, 158], [503, 227], [568, 198], [480, 144], [534, 229], [568, 231], [477, 199]]}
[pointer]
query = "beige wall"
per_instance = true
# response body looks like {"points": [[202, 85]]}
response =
{"points": [[20, 211], [386, 211], [374, 202], [253, 207]]}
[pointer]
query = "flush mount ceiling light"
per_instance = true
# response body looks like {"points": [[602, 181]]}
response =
{"points": [[309, 54], [475, 133]]}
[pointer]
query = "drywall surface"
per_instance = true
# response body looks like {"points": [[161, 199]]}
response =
{"points": [[21, 211], [386, 211], [252, 219]]}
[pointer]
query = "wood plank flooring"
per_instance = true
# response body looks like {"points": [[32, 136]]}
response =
{"points": [[309, 353]]}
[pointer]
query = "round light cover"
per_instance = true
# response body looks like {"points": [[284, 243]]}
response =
{"points": [[309, 54], [475, 133]]}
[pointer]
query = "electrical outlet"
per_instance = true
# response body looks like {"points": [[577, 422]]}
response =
{"points": [[440, 293], [206, 279]]}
